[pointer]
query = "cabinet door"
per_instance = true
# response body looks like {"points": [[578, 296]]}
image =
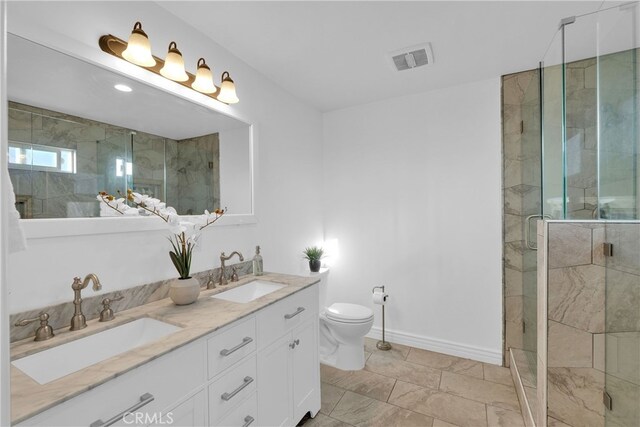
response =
{"points": [[306, 370], [274, 383], [190, 413]]}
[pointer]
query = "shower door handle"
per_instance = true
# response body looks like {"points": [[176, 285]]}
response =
{"points": [[527, 230]]}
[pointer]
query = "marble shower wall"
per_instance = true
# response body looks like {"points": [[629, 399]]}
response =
{"points": [[521, 197], [198, 173], [185, 173], [575, 323], [593, 323]]}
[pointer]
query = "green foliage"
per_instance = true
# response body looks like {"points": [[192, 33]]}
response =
{"points": [[313, 253], [181, 254]]}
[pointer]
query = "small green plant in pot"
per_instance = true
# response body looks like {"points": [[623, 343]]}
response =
{"points": [[314, 254]]}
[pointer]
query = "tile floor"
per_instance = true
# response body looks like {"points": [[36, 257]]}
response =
{"points": [[417, 388]]}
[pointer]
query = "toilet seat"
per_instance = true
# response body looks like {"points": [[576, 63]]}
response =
{"points": [[348, 313]]}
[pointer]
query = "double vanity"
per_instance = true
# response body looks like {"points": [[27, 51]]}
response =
{"points": [[243, 354]]}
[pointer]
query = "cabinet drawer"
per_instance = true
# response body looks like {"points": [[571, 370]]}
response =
{"points": [[167, 379], [279, 318], [230, 346], [243, 416], [230, 389]]}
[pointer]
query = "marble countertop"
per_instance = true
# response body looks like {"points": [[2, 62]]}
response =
{"points": [[206, 315]]}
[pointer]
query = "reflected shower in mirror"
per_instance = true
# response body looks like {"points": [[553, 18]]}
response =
{"points": [[73, 133]]}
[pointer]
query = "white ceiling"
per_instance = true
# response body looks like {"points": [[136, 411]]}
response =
{"points": [[332, 54]]}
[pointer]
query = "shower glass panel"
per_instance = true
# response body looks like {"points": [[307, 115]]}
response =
{"points": [[622, 325], [618, 40], [581, 107], [531, 176], [553, 106]]}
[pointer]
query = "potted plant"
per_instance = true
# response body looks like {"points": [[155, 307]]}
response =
{"points": [[314, 254], [185, 235]]}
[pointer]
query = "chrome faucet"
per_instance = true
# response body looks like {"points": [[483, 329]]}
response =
{"points": [[223, 258], [78, 321]]}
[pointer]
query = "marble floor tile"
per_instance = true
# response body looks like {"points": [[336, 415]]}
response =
{"points": [[483, 391], [499, 417], [322, 420], [497, 374], [367, 383], [440, 423], [404, 371], [398, 351], [446, 362], [331, 395], [437, 404], [359, 410], [552, 422]]}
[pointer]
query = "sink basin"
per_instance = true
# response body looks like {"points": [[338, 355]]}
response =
{"points": [[65, 359], [249, 292]]}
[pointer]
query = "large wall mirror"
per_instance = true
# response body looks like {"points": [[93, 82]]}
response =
{"points": [[73, 132]]}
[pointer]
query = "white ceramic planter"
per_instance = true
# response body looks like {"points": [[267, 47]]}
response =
{"points": [[184, 291]]}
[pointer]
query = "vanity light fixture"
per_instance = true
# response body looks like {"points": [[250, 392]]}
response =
{"points": [[227, 90], [138, 49], [204, 78], [172, 67]]}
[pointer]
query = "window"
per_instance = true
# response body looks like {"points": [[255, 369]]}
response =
{"points": [[41, 158]]}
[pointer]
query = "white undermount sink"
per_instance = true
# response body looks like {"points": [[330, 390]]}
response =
{"points": [[249, 292], [56, 362]]}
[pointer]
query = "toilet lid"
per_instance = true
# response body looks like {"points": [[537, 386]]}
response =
{"points": [[346, 312]]}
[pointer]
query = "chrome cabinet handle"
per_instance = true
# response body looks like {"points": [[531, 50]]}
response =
{"points": [[245, 341], [248, 420], [145, 399], [294, 314], [297, 342], [228, 396], [294, 344]]}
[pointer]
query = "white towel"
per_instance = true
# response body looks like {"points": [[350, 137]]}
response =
{"points": [[17, 242]]}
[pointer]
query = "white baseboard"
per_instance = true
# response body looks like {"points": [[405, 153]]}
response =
{"points": [[441, 346]]}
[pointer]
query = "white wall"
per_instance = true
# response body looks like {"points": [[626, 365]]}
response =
{"points": [[288, 147], [412, 193]]}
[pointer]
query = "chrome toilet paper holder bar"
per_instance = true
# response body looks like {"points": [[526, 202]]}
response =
{"points": [[382, 345]]}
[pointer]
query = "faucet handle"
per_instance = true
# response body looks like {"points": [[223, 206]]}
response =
{"points": [[44, 331], [107, 312]]}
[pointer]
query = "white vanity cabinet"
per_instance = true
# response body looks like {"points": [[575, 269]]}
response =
{"points": [[261, 370], [288, 366]]}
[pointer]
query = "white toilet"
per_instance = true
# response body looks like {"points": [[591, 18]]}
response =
{"points": [[342, 330]]}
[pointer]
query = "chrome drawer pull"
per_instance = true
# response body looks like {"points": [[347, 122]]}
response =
{"points": [[228, 396], [294, 314], [245, 341], [144, 400], [248, 420]]}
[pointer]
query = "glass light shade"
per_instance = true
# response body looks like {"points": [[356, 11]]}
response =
{"points": [[138, 49], [204, 79], [174, 65], [227, 90]]}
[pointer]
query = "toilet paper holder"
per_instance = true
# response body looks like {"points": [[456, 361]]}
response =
{"points": [[382, 345]]}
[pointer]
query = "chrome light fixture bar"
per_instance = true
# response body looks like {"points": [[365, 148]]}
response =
{"points": [[117, 47]]}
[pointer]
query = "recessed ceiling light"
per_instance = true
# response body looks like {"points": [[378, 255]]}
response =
{"points": [[123, 88]]}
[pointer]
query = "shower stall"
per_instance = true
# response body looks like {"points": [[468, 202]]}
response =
{"points": [[570, 149]]}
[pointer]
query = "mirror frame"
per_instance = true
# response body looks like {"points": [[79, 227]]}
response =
{"points": [[65, 227]]}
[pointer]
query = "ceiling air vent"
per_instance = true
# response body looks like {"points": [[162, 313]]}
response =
{"points": [[412, 57]]}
